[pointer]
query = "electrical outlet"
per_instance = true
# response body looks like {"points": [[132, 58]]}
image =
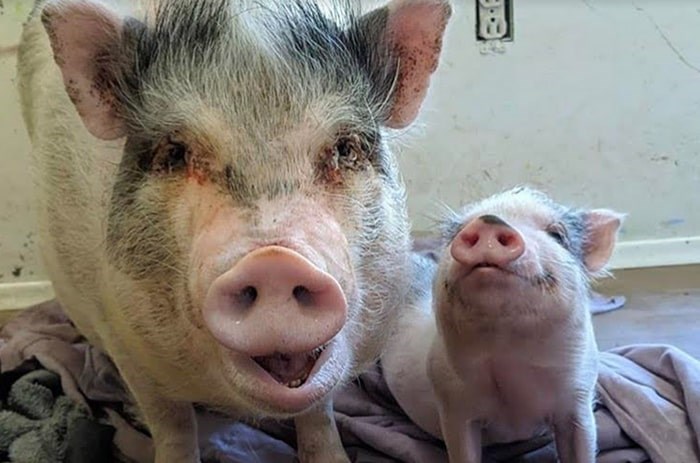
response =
{"points": [[494, 20]]}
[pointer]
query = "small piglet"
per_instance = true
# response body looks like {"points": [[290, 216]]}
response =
{"points": [[508, 349]]}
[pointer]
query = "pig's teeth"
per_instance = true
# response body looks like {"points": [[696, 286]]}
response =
{"points": [[317, 352], [298, 382]]}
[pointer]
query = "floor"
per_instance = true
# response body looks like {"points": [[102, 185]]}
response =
{"points": [[663, 306]]}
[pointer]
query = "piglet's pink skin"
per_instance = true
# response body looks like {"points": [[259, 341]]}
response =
{"points": [[504, 348]]}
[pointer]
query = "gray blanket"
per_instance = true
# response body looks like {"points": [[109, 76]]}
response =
{"points": [[39, 424], [649, 408]]}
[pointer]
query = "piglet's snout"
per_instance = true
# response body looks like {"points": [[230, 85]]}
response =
{"points": [[487, 240], [274, 300]]}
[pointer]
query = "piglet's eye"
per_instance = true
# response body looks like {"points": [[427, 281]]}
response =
{"points": [[558, 234]]}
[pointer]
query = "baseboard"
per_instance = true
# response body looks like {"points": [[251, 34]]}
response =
{"points": [[628, 255], [656, 253], [21, 295]]}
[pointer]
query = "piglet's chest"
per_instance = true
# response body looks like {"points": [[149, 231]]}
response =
{"points": [[518, 398]]}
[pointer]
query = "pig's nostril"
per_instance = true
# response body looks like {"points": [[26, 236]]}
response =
{"points": [[303, 296], [246, 297]]}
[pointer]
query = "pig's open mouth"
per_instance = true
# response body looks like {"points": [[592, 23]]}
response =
{"points": [[290, 370]]}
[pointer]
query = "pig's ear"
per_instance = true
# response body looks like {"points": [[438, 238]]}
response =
{"points": [[84, 37], [413, 30], [602, 226]]}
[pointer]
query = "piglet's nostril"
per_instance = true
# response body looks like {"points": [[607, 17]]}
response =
{"points": [[470, 238], [507, 239], [303, 296], [487, 239]]}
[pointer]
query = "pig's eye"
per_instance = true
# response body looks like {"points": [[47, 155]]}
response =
{"points": [[347, 150], [349, 153], [170, 157]]}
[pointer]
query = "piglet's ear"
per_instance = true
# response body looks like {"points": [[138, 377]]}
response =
{"points": [[602, 226], [84, 37], [413, 31]]}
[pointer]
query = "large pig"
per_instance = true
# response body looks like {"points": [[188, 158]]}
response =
{"points": [[219, 209], [504, 347]]}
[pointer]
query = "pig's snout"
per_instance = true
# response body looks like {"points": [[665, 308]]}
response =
{"points": [[487, 240], [274, 300]]}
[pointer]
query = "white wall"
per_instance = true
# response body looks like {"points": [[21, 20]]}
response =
{"points": [[596, 101], [19, 261]]}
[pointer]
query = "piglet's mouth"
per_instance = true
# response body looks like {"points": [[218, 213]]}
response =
{"points": [[291, 370], [545, 279], [486, 265]]}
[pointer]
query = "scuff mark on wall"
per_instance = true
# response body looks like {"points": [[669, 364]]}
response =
{"points": [[673, 222], [588, 4], [668, 41], [8, 50]]}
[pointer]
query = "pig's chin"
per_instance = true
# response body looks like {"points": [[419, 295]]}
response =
{"points": [[285, 384]]}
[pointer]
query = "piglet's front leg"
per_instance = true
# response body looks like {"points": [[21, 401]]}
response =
{"points": [[462, 438], [575, 435], [318, 440]]}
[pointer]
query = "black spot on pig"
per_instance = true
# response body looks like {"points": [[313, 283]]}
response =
{"points": [[575, 226], [493, 220], [237, 186], [139, 234]]}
